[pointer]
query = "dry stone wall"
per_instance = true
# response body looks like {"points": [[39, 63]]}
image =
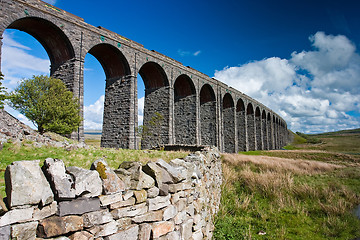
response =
{"points": [[159, 200]]}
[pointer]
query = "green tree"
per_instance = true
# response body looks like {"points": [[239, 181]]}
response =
{"points": [[47, 103], [2, 92]]}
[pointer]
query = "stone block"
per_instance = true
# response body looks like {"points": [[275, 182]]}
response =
{"points": [[3, 207], [161, 228], [180, 217], [186, 229], [144, 182], [190, 210], [110, 181], [97, 218], [140, 196], [111, 198], [123, 223], [130, 211], [104, 230], [55, 226], [120, 204], [198, 235], [181, 204], [163, 189], [16, 216], [61, 183], [24, 231], [158, 202], [83, 235], [130, 232], [153, 192], [169, 212], [177, 173], [160, 175], [26, 184], [151, 216], [144, 231], [174, 235], [78, 206], [45, 212], [173, 188], [128, 194], [87, 182], [5, 232]]}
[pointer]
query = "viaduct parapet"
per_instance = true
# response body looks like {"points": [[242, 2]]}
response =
{"points": [[188, 106]]}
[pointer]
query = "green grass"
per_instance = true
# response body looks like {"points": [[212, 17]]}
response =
{"points": [[287, 204]]}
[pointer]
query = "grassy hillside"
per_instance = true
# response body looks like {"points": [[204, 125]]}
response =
{"points": [[306, 193]]}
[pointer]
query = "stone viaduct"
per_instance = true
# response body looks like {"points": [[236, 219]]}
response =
{"points": [[182, 105]]}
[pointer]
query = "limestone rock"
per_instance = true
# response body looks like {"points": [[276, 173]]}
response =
{"points": [[122, 223], [105, 229], [178, 174], [186, 229], [120, 204], [110, 181], [139, 179], [5, 232], [83, 235], [78, 206], [162, 228], [158, 202], [130, 232], [145, 231], [153, 192], [151, 216], [173, 188], [109, 199], [55, 226], [130, 211], [169, 212], [87, 182], [97, 218], [198, 235], [16, 215], [128, 194], [61, 183], [160, 175], [24, 231], [140, 196], [26, 184], [45, 212]]}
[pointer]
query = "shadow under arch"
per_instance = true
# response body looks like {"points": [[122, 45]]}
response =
{"points": [[208, 116], [51, 37], [241, 124], [184, 110], [251, 127], [156, 127], [116, 131], [228, 123]]}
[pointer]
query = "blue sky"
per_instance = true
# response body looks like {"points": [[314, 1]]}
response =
{"points": [[300, 58]]}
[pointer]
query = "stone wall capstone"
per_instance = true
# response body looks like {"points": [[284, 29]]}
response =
{"points": [[158, 200]]}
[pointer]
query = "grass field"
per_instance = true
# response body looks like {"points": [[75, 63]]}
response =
{"points": [[309, 192]]}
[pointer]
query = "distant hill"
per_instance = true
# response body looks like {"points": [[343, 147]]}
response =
{"points": [[342, 132]]}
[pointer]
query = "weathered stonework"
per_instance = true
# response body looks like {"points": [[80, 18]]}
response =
{"points": [[193, 116], [186, 211]]}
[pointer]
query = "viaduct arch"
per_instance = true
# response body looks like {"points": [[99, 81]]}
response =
{"points": [[188, 106]]}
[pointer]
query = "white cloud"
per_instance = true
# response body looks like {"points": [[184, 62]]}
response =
{"points": [[52, 2], [93, 114], [313, 90], [183, 53], [141, 110]]}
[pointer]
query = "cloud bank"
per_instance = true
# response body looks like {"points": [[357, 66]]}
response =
{"points": [[314, 91]]}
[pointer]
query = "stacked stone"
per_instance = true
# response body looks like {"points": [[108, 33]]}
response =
{"points": [[159, 200]]}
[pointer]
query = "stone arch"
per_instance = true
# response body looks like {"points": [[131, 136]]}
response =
{"points": [[208, 115], [251, 127], [156, 105], [269, 132], [228, 123], [51, 37], [117, 117], [241, 124], [264, 130], [258, 129], [184, 110], [112, 60]]}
